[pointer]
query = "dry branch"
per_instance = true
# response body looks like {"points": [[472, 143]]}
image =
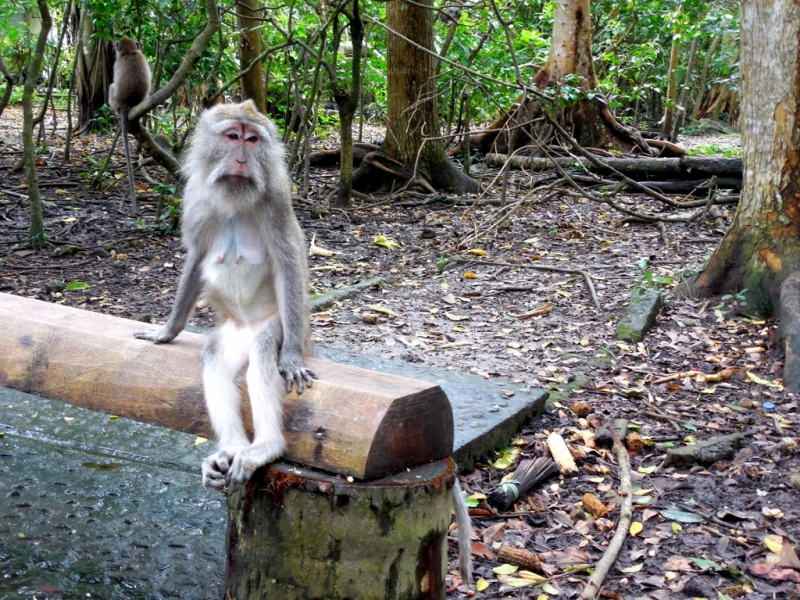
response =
{"points": [[624, 523]]}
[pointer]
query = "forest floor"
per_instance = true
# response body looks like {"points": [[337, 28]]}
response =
{"points": [[724, 530]]}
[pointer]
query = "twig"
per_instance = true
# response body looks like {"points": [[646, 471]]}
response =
{"points": [[586, 277], [625, 517]]}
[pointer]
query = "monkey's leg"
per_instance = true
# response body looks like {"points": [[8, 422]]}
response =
{"points": [[266, 389], [224, 357]]}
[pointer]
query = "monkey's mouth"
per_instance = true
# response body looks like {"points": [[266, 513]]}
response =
{"points": [[236, 179]]}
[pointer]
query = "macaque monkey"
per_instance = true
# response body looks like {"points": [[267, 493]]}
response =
{"points": [[131, 86], [246, 256]]}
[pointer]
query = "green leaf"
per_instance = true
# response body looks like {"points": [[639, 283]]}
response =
{"points": [[505, 569], [77, 285], [704, 563], [682, 517], [689, 426]]}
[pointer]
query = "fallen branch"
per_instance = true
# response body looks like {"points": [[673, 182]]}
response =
{"points": [[638, 169], [625, 518], [586, 277]]}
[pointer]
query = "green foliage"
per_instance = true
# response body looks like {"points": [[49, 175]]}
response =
{"points": [[646, 278], [714, 150], [736, 302]]}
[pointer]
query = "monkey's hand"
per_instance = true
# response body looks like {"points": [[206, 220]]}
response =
{"points": [[291, 368], [158, 336]]}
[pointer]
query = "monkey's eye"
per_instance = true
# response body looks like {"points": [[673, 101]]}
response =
{"points": [[232, 135], [252, 138]]}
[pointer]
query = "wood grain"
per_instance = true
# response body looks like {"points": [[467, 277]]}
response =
{"points": [[352, 421]]}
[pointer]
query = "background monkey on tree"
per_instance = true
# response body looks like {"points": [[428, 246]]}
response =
{"points": [[131, 86]]}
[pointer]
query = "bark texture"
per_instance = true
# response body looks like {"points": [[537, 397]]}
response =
{"points": [[411, 150], [589, 119], [249, 49], [295, 534], [762, 247]]}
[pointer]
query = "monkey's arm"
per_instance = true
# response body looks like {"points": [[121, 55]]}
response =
{"points": [[293, 306], [189, 290]]}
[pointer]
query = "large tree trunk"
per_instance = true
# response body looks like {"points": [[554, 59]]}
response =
{"points": [[762, 247], [412, 150], [589, 119], [94, 71], [249, 48]]}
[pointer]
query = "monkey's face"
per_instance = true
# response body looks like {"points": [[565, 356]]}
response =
{"points": [[240, 160]]}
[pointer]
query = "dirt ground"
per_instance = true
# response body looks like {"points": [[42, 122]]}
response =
{"points": [[706, 368]]}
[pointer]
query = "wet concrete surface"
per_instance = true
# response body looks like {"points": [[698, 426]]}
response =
{"points": [[93, 506]]}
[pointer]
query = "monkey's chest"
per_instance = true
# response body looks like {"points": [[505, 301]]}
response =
{"points": [[237, 272]]}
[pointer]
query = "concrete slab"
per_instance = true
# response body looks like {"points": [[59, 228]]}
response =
{"points": [[109, 508]]}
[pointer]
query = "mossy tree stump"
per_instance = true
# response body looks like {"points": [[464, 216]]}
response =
{"points": [[295, 534]]}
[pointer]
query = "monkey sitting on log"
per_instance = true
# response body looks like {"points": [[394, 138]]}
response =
{"points": [[246, 256], [131, 86]]}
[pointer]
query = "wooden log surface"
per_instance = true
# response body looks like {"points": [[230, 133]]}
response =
{"points": [[638, 169], [352, 421]]}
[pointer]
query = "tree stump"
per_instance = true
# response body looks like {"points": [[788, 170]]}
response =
{"points": [[296, 534]]}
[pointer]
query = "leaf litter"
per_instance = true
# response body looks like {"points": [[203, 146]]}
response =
{"points": [[706, 369]]}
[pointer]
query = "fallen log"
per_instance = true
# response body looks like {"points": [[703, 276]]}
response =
{"points": [[638, 169], [352, 421]]}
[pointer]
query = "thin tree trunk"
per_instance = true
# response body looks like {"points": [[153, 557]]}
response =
{"points": [[672, 87], [249, 49], [347, 104], [701, 85], [687, 86], [36, 234]]}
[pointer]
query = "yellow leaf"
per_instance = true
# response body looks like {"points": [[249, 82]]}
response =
{"points": [[506, 459], [481, 584], [547, 587], [636, 528], [381, 309], [530, 576], [773, 543], [477, 252], [633, 568], [676, 527], [69, 219], [647, 470], [199, 440], [755, 378], [641, 492], [113, 417], [517, 582], [585, 342], [382, 240], [470, 275]]}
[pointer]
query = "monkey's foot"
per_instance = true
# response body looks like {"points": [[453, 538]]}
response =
{"points": [[251, 458], [217, 466]]}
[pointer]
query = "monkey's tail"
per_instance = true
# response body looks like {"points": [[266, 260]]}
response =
{"points": [[123, 120], [464, 525]]}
